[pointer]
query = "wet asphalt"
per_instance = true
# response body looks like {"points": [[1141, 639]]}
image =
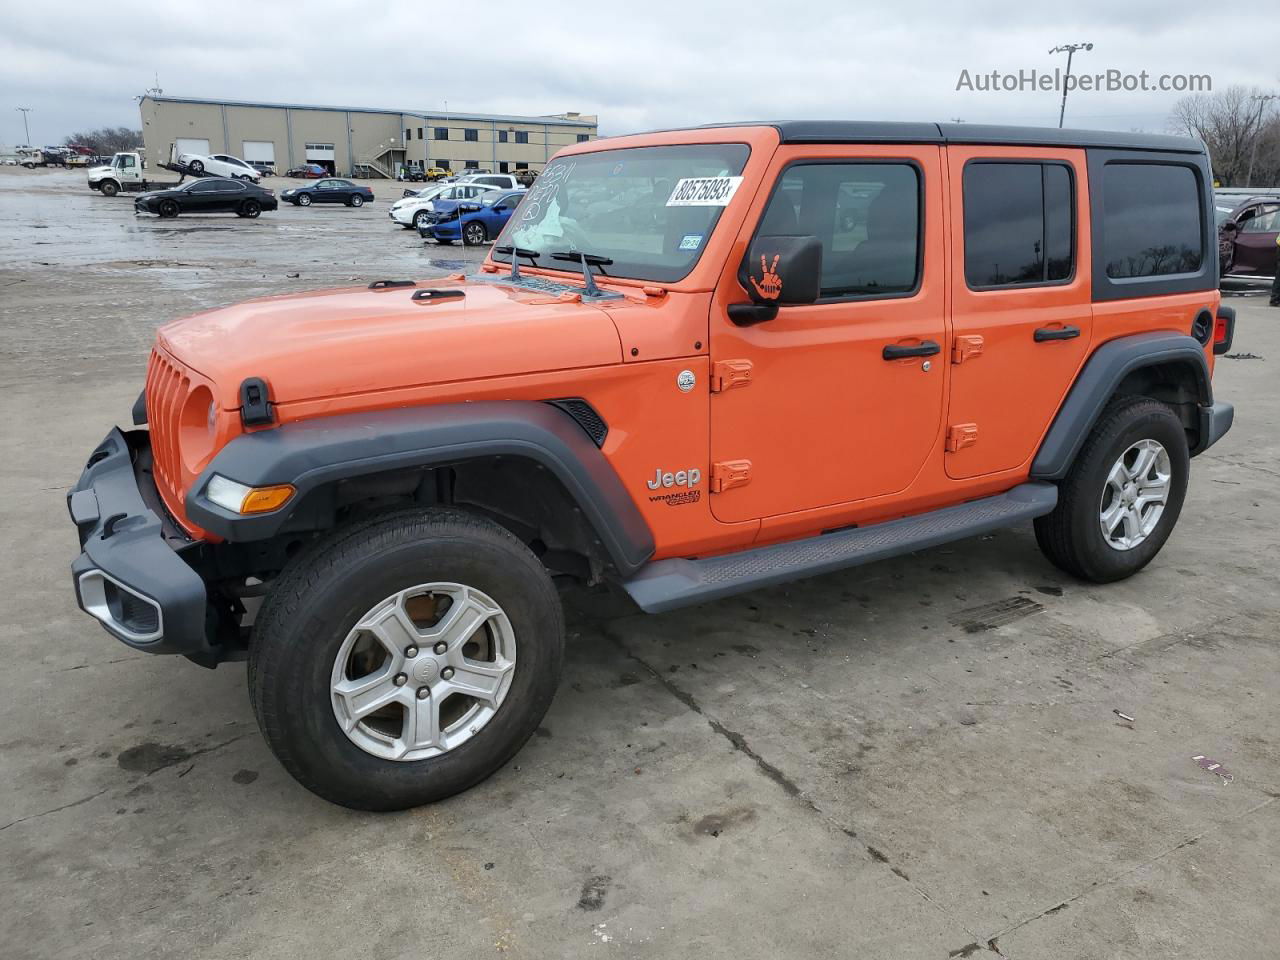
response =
{"points": [[960, 753]]}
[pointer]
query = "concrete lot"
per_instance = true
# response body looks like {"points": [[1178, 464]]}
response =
{"points": [[922, 758]]}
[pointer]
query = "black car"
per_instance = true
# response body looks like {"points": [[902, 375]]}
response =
{"points": [[208, 195], [330, 190]]}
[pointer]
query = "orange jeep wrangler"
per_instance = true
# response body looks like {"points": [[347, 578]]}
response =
{"points": [[696, 363]]}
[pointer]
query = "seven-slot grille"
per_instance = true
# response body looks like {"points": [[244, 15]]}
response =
{"points": [[167, 389]]}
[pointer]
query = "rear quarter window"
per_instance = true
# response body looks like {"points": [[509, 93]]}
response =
{"points": [[1151, 220]]}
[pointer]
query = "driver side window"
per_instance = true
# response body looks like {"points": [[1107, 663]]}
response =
{"points": [[1263, 220], [867, 218]]}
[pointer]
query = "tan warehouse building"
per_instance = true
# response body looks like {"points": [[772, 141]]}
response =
{"points": [[356, 140]]}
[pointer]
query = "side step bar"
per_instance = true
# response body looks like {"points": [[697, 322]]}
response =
{"points": [[669, 584]]}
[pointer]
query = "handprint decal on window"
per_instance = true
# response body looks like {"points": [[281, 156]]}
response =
{"points": [[769, 286]]}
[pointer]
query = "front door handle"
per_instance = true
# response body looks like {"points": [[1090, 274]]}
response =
{"points": [[1056, 333], [900, 351]]}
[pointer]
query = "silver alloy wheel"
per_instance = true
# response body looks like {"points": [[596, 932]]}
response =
{"points": [[423, 671], [305, 200], [357, 200], [475, 233], [1135, 494]]}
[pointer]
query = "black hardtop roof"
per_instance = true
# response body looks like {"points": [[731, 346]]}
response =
{"points": [[885, 131]]}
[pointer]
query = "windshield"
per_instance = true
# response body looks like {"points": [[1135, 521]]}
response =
{"points": [[650, 210]]}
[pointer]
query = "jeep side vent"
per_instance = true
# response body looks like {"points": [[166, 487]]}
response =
{"points": [[585, 416], [390, 284], [255, 403]]}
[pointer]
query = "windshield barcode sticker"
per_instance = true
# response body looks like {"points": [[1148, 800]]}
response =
{"points": [[704, 192]]}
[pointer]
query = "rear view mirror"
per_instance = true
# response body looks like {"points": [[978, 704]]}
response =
{"points": [[783, 271]]}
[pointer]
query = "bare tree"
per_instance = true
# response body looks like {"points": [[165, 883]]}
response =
{"points": [[1235, 126], [108, 140]]}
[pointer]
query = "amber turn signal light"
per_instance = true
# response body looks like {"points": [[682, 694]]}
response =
{"points": [[242, 499]]}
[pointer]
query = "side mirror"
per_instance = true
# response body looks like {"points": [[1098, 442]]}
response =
{"points": [[778, 272], [1231, 227]]}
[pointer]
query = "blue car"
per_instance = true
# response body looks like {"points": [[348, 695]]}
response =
{"points": [[472, 221]]}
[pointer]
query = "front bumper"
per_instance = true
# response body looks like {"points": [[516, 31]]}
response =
{"points": [[130, 576], [449, 230]]}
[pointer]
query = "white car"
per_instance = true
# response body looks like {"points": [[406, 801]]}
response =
{"points": [[494, 181], [410, 212], [220, 165]]}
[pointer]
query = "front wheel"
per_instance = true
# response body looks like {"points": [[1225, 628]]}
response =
{"points": [[109, 188], [1122, 496], [304, 200], [406, 658], [168, 209], [474, 233], [197, 167]]}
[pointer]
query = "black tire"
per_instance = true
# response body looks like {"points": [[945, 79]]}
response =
{"points": [[419, 219], [304, 199], [356, 201], [314, 605], [474, 233], [1071, 536], [109, 188], [168, 209], [197, 167], [250, 209], [444, 243]]}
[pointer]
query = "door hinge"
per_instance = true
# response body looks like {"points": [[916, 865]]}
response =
{"points": [[729, 473], [727, 374], [966, 346], [960, 435]]}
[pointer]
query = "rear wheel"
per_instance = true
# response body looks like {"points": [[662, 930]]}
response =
{"points": [[250, 209], [168, 209], [474, 233], [1120, 501], [406, 659], [109, 188], [356, 200]]}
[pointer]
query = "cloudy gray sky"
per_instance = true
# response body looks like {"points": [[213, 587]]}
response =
{"points": [[637, 65]]}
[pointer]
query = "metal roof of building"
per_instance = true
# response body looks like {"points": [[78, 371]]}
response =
{"points": [[424, 114]]}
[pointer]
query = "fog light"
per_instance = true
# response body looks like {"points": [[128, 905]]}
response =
{"points": [[242, 499]]}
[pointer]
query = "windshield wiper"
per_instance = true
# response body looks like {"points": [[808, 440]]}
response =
{"points": [[515, 252], [588, 260]]}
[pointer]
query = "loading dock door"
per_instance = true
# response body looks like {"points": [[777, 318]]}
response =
{"points": [[191, 145], [259, 151], [321, 153]]}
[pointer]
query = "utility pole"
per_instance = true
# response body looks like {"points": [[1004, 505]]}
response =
{"points": [[25, 129], [1069, 49], [1262, 100]]}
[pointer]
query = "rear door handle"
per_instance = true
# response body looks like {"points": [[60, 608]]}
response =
{"points": [[1056, 333], [899, 351]]}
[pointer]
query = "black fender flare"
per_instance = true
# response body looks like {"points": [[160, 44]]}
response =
{"points": [[1103, 372], [313, 453]]}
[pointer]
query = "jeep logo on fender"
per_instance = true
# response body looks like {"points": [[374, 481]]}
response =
{"points": [[681, 478]]}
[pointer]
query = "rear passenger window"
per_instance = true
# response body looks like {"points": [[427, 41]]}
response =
{"points": [[1019, 224], [1151, 220], [867, 216]]}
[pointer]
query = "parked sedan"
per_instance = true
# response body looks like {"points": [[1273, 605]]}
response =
{"points": [[208, 195], [329, 191], [411, 211], [472, 221], [1247, 232], [307, 171]]}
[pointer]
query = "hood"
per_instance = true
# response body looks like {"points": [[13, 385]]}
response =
{"points": [[104, 168], [344, 342]]}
